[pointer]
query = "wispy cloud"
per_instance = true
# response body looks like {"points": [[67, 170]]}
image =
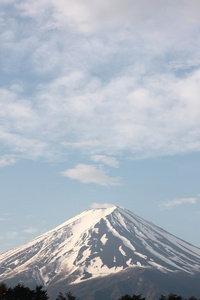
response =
{"points": [[7, 160], [107, 160], [148, 123], [31, 230], [178, 202], [83, 144], [119, 90], [91, 174], [5, 217]]}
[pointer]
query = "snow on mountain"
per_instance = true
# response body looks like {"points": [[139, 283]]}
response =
{"points": [[96, 243]]}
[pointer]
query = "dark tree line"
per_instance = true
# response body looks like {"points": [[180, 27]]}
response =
{"points": [[20, 292], [134, 297], [162, 297]]}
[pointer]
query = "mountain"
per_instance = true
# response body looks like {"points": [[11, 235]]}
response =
{"points": [[99, 248]]}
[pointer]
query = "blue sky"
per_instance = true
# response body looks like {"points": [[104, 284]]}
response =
{"points": [[99, 105]]}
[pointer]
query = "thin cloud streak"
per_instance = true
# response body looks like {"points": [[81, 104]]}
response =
{"points": [[178, 202], [31, 230]]}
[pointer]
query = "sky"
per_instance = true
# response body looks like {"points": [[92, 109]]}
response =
{"points": [[99, 105]]}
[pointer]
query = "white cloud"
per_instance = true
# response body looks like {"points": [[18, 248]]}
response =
{"points": [[7, 160], [178, 202], [161, 119], [107, 160], [91, 174], [101, 205], [31, 230], [89, 17], [132, 88]]}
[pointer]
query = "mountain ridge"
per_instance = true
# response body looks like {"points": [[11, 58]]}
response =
{"points": [[97, 243]]}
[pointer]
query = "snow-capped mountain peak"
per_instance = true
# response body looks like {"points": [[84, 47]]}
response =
{"points": [[99, 242]]}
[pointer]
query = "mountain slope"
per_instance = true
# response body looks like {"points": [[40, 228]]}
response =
{"points": [[95, 243]]}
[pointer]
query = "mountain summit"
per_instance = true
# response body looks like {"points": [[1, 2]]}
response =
{"points": [[97, 243]]}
